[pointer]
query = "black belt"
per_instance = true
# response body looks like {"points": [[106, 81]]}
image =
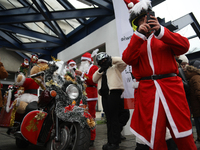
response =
{"points": [[91, 86], [160, 76]]}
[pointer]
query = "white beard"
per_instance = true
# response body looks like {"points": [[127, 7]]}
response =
{"points": [[84, 66], [74, 67], [26, 63]]}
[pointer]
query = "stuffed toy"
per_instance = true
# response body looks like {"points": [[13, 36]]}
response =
{"points": [[30, 86]]}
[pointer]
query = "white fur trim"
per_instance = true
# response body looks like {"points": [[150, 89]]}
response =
{"points": [[22, 81], [143, 4], [162, 31], [142, 36], [72, 62], [26, 97], [42, 61], [130, 5], [86, 58], [8, 101]]}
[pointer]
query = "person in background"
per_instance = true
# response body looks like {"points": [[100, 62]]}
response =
{"points": [[70, 67], [184, 62], [192, 73], [161, 100], [86, 71], [3, 74], [110, 87]]}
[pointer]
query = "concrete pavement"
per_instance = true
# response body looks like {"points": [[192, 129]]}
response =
{"points": [[8, 142]]}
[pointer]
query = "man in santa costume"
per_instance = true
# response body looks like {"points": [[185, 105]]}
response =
{"points": [[86, 71], [70, 67], [24, 67], [160, 98], [31, 85]]}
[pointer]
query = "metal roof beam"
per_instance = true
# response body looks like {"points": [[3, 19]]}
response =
{"points": [[47, 15], [69, 6], [26, 3], [81, 31], [12, 47], [31, 33], [59, 15], [156, 2], [195, 25], [16, 11], [102, 4], [183, 22], [38, 45], [10, 39], [41, 51], [22, 55]]}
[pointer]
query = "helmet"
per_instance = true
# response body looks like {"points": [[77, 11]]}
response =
{"points": [[100, 56]]}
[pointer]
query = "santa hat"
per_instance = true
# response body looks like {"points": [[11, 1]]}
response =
{"points": [[184, 58], [34, 58], [137, 9], [71, 62], [86, 56]]}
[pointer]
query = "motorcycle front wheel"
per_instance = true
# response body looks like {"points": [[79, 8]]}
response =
{"points": [[72, 137]]}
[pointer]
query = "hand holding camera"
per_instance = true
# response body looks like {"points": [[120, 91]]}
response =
{"points": [[150, 14], [148, 24], [153, 21]]}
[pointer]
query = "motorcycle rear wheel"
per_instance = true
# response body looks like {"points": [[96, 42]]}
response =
{"points": [[73, 137]]}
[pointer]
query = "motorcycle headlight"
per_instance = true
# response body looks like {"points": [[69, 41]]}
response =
{"points": [[72, 91]]}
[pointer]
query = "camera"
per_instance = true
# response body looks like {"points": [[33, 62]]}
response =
{"points": [[152, 13]]}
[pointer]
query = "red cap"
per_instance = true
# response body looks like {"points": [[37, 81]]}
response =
{"points": [[71, 62], [131, 3], [87, 56]]}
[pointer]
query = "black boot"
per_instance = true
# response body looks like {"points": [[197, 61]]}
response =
{"points": [[122, 137], [91, 143], [110, 146]]}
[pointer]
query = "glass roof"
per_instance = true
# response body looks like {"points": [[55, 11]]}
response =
{"points": [[48, 24], [67, 25], [45, 26]]}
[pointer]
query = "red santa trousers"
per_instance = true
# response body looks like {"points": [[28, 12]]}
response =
{"points": [[92, 111]]}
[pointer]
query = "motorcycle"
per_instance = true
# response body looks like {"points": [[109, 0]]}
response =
{"points": [[61, 121]]}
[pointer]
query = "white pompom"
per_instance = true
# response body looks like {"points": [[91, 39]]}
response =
{"points": [[94, 53], [130, 5]]}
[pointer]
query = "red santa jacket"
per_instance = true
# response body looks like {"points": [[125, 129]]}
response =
{"points": [[91, 89], [154, 56], [30, 89]]}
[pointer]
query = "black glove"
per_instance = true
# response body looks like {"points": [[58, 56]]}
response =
{"points": [[103, 68]]}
